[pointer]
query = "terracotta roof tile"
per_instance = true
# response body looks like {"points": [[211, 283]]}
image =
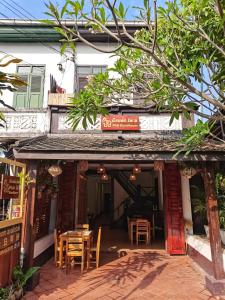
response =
{"points": [[99, 143]]}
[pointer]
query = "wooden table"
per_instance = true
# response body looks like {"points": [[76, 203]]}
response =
{"points": [[87, 237], [132, 224]]}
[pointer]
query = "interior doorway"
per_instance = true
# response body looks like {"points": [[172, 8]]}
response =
{"points": [[111, 202]]}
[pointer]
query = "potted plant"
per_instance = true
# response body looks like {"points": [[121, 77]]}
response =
{"points": [[20, 279], [4, 293], [221, 210], [200, 204]]}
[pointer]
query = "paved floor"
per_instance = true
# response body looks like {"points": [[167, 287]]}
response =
{"points": [[139, 274]]}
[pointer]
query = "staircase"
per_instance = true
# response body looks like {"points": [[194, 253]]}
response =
{"points": [[126, 184], [130, 188], [134, 200]]}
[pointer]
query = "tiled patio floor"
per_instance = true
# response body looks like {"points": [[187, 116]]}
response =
{"points": [[141, 274]]}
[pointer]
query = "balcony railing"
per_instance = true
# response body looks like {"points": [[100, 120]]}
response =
{"points": [[26, 123], [59, 99]]}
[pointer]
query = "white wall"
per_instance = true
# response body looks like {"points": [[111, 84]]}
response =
{"points": [[93, 205], [202, 246], [36, 53], [119, 196], [186, 202], [147, 122], [42, 244]]}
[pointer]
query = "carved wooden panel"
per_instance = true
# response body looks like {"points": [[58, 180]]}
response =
{"points": [[66, 198], [43, 202]]}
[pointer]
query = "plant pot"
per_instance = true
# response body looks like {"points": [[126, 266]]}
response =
{"points": [[12, 297], [33, 281], [206, 230], [18, 293]]}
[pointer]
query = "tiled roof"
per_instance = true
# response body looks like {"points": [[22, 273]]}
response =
{"points": [[110, 143]]}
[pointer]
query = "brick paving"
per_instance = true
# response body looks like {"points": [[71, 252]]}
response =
{"points": [[139, 274]]}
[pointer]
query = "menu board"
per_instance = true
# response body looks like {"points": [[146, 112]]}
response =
{"points": [[10, 238], [10, 187]]}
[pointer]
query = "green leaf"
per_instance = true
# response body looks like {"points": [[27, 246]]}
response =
{"points": [[63, 48], [121, 10], [102, 14], [64, 9]]}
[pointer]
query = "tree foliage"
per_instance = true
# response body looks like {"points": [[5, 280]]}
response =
{"points": [[176, 61], [8, 82]]}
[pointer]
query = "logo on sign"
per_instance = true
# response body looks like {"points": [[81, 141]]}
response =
{"points": [[10, 186], [120, 122]]}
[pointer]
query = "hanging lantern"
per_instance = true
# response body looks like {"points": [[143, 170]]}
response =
{"points": [[54, 170], [83, 166], [132, 177], [158, 165], [136, 169], [101, 169], [188, 172], [104, 177]]}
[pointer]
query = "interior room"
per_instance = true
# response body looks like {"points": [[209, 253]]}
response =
{"points": [[119, 194]]}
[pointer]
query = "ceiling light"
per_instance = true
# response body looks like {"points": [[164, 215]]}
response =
{"points": [[136, 169], [132, 177], [101, 169], [104, 177]]}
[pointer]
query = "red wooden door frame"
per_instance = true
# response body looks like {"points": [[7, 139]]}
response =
{"points": [[174, 223]]}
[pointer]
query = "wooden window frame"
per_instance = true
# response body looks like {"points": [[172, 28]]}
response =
{"points": [[22, 168], [78, 76], [29, 79]]}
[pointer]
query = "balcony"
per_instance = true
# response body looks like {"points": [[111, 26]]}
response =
{"points": [[59, 99], [25, 123]]}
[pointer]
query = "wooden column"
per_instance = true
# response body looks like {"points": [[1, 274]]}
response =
{"points": [[213, 221], [81, 193], [29, 215], [66, 198]]}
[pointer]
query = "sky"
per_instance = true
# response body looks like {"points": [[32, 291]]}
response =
{"points": [[36, 8]]}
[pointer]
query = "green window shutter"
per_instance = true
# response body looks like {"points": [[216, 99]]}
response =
{"points": [[21, 96], [30, 96], [36, 91]]}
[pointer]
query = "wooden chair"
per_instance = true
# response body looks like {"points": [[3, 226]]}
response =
{"points": [[56, 246], [82, 226], [143, 231], [95, 250], [75, 249]]}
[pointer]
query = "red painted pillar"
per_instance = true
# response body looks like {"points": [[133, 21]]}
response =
{"points": [[174, 222]]}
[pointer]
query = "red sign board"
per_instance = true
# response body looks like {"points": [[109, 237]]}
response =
{"points": [[10, 187], [120, 122]]}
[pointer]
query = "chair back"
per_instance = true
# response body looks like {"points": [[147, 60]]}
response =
{"points": [[82, 226], [56, 237], [142, 225], [75, 242]]}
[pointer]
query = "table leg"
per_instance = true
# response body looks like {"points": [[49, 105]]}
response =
{"points": [[131, 233], [60, 252], [88, 252]]}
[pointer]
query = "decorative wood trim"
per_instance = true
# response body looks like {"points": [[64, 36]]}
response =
{"points": [[28, 237], [119, 156], [12, 162], [7, 223]]}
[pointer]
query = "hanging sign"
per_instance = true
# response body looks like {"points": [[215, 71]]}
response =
{"points": [[10, 239], [120, 122], [10, 187]]}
